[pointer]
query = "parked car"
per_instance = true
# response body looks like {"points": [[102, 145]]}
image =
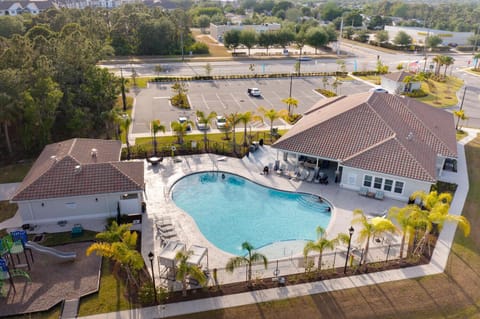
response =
{"points": [[183, 119], [201, 126], [221, 121], [304, 58], [254, 92], [379, 90]]}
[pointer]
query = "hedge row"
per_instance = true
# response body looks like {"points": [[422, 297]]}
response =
{"points": [[366, 73], [242, 76]]}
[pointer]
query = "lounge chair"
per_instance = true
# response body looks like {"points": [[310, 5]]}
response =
{"points": [[363, 191], [311, 176], [379, 195]]}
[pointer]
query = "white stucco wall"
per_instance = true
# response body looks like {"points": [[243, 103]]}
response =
{"points": [[74, 208], [353, 179], [398, 87]]}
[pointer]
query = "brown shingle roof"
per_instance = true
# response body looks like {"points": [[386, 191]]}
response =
{"points": [[397, 76], [79, 167], [373, 130]]}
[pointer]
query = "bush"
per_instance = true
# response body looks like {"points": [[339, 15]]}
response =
{"points": [[326, 93], [198, 48], [365, 73], [181, 101], [416, 93]]}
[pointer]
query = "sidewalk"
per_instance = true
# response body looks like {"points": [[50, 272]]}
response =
{"points": [[436, 266]]}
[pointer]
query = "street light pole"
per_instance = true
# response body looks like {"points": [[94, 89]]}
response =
{"points": [[150, 257], [124, 97], [350, 232], [290, 92]]}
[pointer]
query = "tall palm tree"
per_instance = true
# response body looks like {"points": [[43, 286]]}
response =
{"points": [[438, 63], [125, 125], [246, 118], [370, 228], [119, 244], [476, 57], [186, 270], [290, 101], [155, 127], [205, 120], [408, 219], [181, 129], [435, 207], [233, 119], [322, 244], [8, 113], [248, 260], [272, 115], [447, 61]]}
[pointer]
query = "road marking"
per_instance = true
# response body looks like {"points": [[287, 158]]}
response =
{"points": [[223, 104], [205, 102], [160, 97]]}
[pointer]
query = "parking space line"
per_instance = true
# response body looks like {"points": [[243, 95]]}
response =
{"points": [[223, 104], [205, 102]]}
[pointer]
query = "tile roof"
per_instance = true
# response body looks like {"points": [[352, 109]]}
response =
{"points": [[373, 130], [397, 76], [79, 167]]}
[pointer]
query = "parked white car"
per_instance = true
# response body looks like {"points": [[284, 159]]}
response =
{"points": [[254, 92], [221, 121]]}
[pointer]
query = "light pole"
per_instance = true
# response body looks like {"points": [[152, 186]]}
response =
{"points": [[150, 257], [350, 232], [290, 93], [124, 97]]}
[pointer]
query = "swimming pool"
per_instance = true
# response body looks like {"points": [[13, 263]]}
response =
{"points": [[231, 210]]}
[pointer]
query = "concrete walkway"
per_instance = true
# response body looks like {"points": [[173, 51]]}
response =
{"points": [[436, 266], [7, 190]]}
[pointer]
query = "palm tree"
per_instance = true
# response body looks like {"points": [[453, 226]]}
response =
{"points": [[435, 208], [447, 61], [8, 114], [248, 260], [322, 244], [370, 228], [408, 220], [272, 115], [205, 120], [246, 118], [476, 57], [119, 244], [156, 126], [290, 101], [186, 270], [125, 125], [181, 129], [233, 119], [438, 63]]}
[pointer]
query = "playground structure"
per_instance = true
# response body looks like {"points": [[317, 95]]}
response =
{"points": [[66, 256], [14, 245]]}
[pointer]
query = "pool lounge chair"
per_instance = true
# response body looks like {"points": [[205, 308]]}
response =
{"points": [[379, 195], [363, 191], [311, 176]]}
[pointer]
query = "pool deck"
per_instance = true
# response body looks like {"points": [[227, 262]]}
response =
{"points": [[160, 179]]}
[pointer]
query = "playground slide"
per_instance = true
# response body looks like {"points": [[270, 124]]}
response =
{"points": [[51, 251]]}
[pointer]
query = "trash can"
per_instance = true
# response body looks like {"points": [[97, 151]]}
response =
{"points": [[260, 142], [276, 167]]}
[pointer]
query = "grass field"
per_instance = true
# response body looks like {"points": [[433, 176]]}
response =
{"points": [[215, 49], [441, 94], [453, 294]]}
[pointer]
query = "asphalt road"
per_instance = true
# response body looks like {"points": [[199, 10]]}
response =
{"points": [[229, 96]]}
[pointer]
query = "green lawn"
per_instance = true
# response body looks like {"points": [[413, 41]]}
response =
{"points": [[7, 210], [14, 173], [441, 94]]}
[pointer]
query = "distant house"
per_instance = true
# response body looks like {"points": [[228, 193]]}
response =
{"points": [[419, 35], [13, 8], [82, 4], [394, 82], [383, 142], [217, 31], [80, 179]]}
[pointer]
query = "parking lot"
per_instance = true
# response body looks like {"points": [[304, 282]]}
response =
{"points": [[229, 96]]}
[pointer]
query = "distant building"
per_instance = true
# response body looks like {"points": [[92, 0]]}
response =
{"points": [[217, 31], [81, 4], [419, 35], [394, 82], [13, 8]]}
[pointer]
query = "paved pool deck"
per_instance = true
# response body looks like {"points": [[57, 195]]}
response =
{"points": [[159, 179]]}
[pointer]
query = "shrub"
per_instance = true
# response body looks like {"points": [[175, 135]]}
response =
{"points": [[365, 73], [416, 93], [198, 48], [181, 101], [326, 93]]}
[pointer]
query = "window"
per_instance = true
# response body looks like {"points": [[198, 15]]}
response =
{"points": [[398, 187], [367, 181], [388, 185], [377, 183]]}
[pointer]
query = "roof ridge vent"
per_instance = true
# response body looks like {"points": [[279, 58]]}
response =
{"points": [[410, 136], [94, 152], [78, 169]]}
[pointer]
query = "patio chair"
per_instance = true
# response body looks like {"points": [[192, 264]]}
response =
{"points": [[379, 195], [363, 191], [20, 238]]}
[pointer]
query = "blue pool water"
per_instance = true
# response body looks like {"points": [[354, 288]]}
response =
{"points": [[232, 210]]}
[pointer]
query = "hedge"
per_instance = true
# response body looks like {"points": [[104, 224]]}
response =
{"points": [[243, 76]]}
